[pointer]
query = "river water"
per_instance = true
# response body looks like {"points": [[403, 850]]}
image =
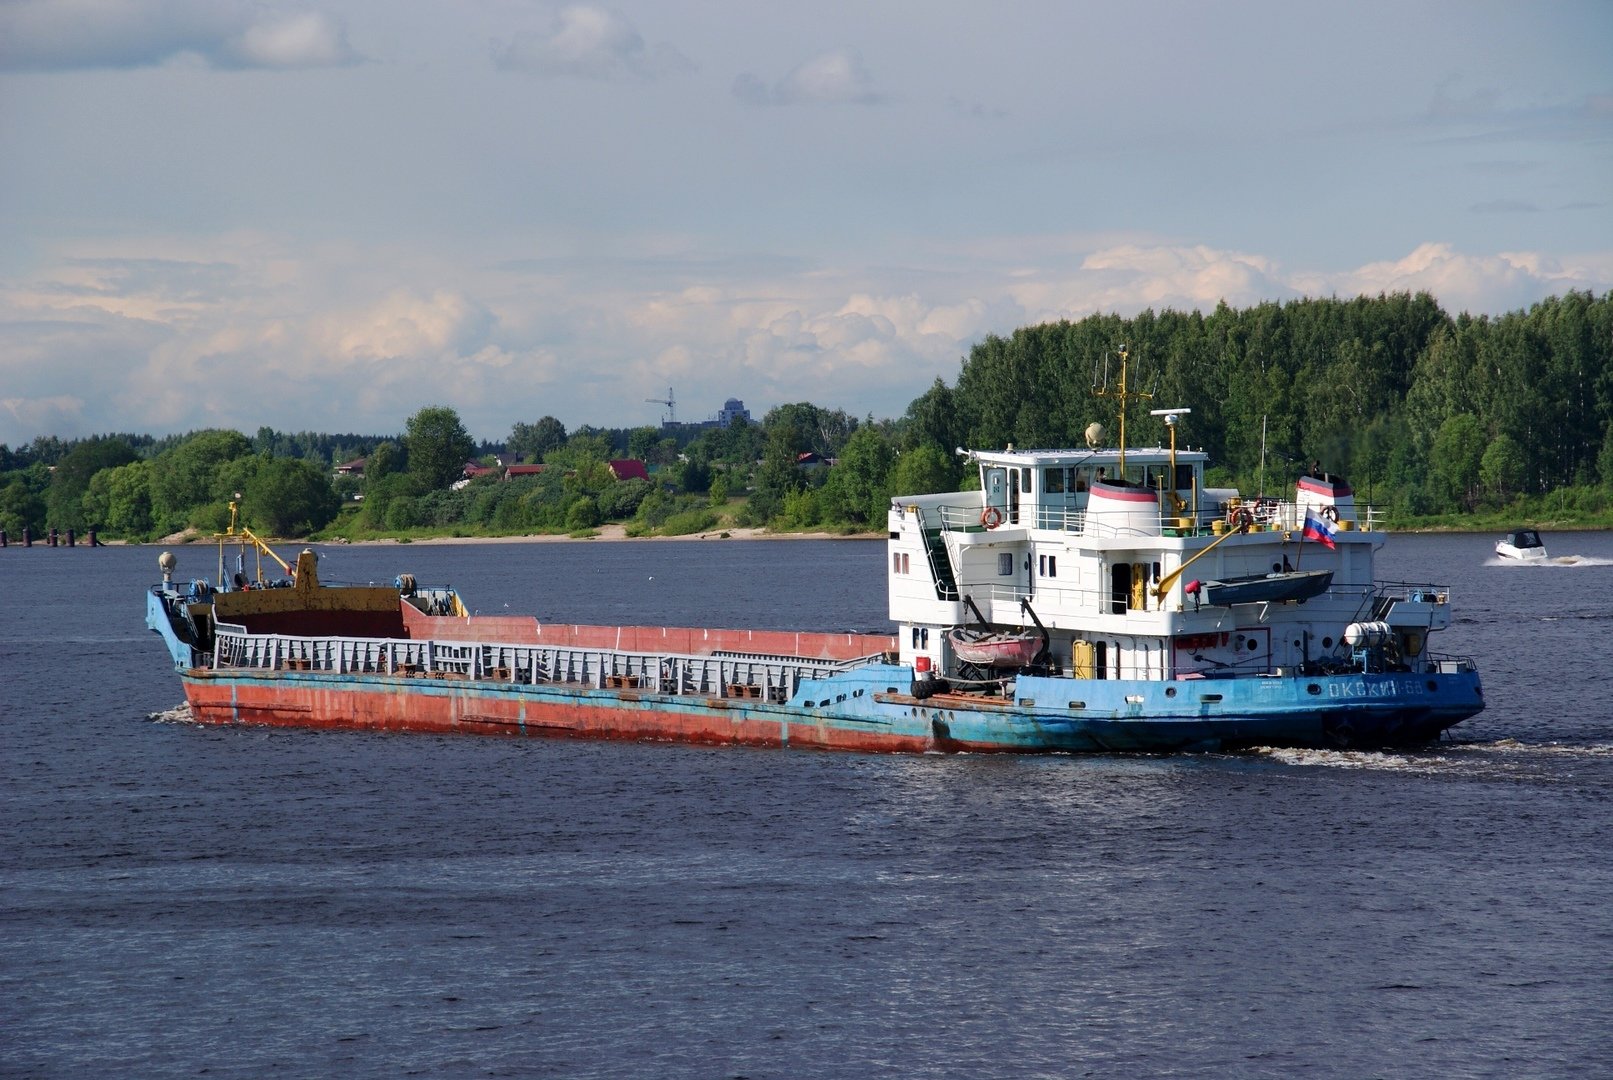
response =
{"points": [[181, 901]]}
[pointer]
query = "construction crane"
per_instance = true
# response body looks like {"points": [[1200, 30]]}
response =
{"points": [[671, 407]]}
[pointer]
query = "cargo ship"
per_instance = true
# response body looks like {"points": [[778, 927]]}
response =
{"points": [[1095, 599]]}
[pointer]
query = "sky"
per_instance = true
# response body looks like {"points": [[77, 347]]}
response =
{"points": [[326, 216]]}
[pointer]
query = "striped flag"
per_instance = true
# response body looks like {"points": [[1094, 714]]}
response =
{"points": [[1319, 528]]}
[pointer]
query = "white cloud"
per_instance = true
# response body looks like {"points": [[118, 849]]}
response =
{"points": [[55, 35], [162, 336], [831, 78], [1506, 281], [295, 40], [589, 43]]}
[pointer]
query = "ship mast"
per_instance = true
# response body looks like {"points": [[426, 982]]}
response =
{"points": [[1122, 398]]}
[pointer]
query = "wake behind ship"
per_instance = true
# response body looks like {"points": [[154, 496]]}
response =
{"points": [[1094, 599]]}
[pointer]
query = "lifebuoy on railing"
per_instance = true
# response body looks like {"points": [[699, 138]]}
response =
{"points": [[991, 517], [1331, 513], [1241, 516]]}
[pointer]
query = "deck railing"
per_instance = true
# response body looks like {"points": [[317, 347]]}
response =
{"points": [[1270, 514], [770, 678]]}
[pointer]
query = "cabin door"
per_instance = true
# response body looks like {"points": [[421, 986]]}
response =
{"points": [[998, 483], [1119, 588]]}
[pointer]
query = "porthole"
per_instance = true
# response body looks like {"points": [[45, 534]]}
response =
{"points": [[1312, 689], [1432, 686], [1327, 643], [1170, 691]]}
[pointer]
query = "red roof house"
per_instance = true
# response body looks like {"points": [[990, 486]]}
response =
{"points": [[628, 469]]}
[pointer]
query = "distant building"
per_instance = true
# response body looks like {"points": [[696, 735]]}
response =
{"points": [[351, 468], [732, 409]]}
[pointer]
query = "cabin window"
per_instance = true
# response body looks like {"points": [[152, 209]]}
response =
{"points": [[1025, 481], [1082, 479], [1184, 476], [906, 566], [1053, 481], [1005, 564], [1047, 565], [896, 563]]}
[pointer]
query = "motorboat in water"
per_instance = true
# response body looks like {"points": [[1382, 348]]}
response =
{"points": [[1521, 545]]}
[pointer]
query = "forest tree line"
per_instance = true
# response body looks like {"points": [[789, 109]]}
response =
{"points": [[1425, 413]]}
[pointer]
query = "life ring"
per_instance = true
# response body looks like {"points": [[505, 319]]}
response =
{"points": [[1241, 516], [1331, 513], [991, 517]]}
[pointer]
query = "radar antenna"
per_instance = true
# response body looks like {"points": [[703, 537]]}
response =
{"points": [[1122, 396]]}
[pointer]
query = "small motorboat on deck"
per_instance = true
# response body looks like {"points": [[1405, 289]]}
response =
{"points": [[1521, 545], [1290, 585]]}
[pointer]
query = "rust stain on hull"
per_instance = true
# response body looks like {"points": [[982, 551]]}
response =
{"points": [[397, 705]]}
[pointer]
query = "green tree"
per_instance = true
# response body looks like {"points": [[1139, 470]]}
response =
{"points": [[128, 502], [290, 497], [857, 490], [1457, 454], [438, 446], [619, 501], [1502, 467], [642, 443], [694, 476], [21, 507], [1604, 460], [582, 514], [924, 470], [933, 420], [387, 458], [185, 480], [535, 440], [719, 489], [777, 478], [64, 502], [121, 499]]}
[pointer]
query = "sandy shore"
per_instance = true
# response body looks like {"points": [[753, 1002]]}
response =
{"points": [[618, 532], [606, 532]]}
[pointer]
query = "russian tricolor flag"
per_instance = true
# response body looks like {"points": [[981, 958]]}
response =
{"points": [[1319, 528]]}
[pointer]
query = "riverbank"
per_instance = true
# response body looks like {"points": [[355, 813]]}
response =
{"points": [[606, 533], [609, 533]]}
